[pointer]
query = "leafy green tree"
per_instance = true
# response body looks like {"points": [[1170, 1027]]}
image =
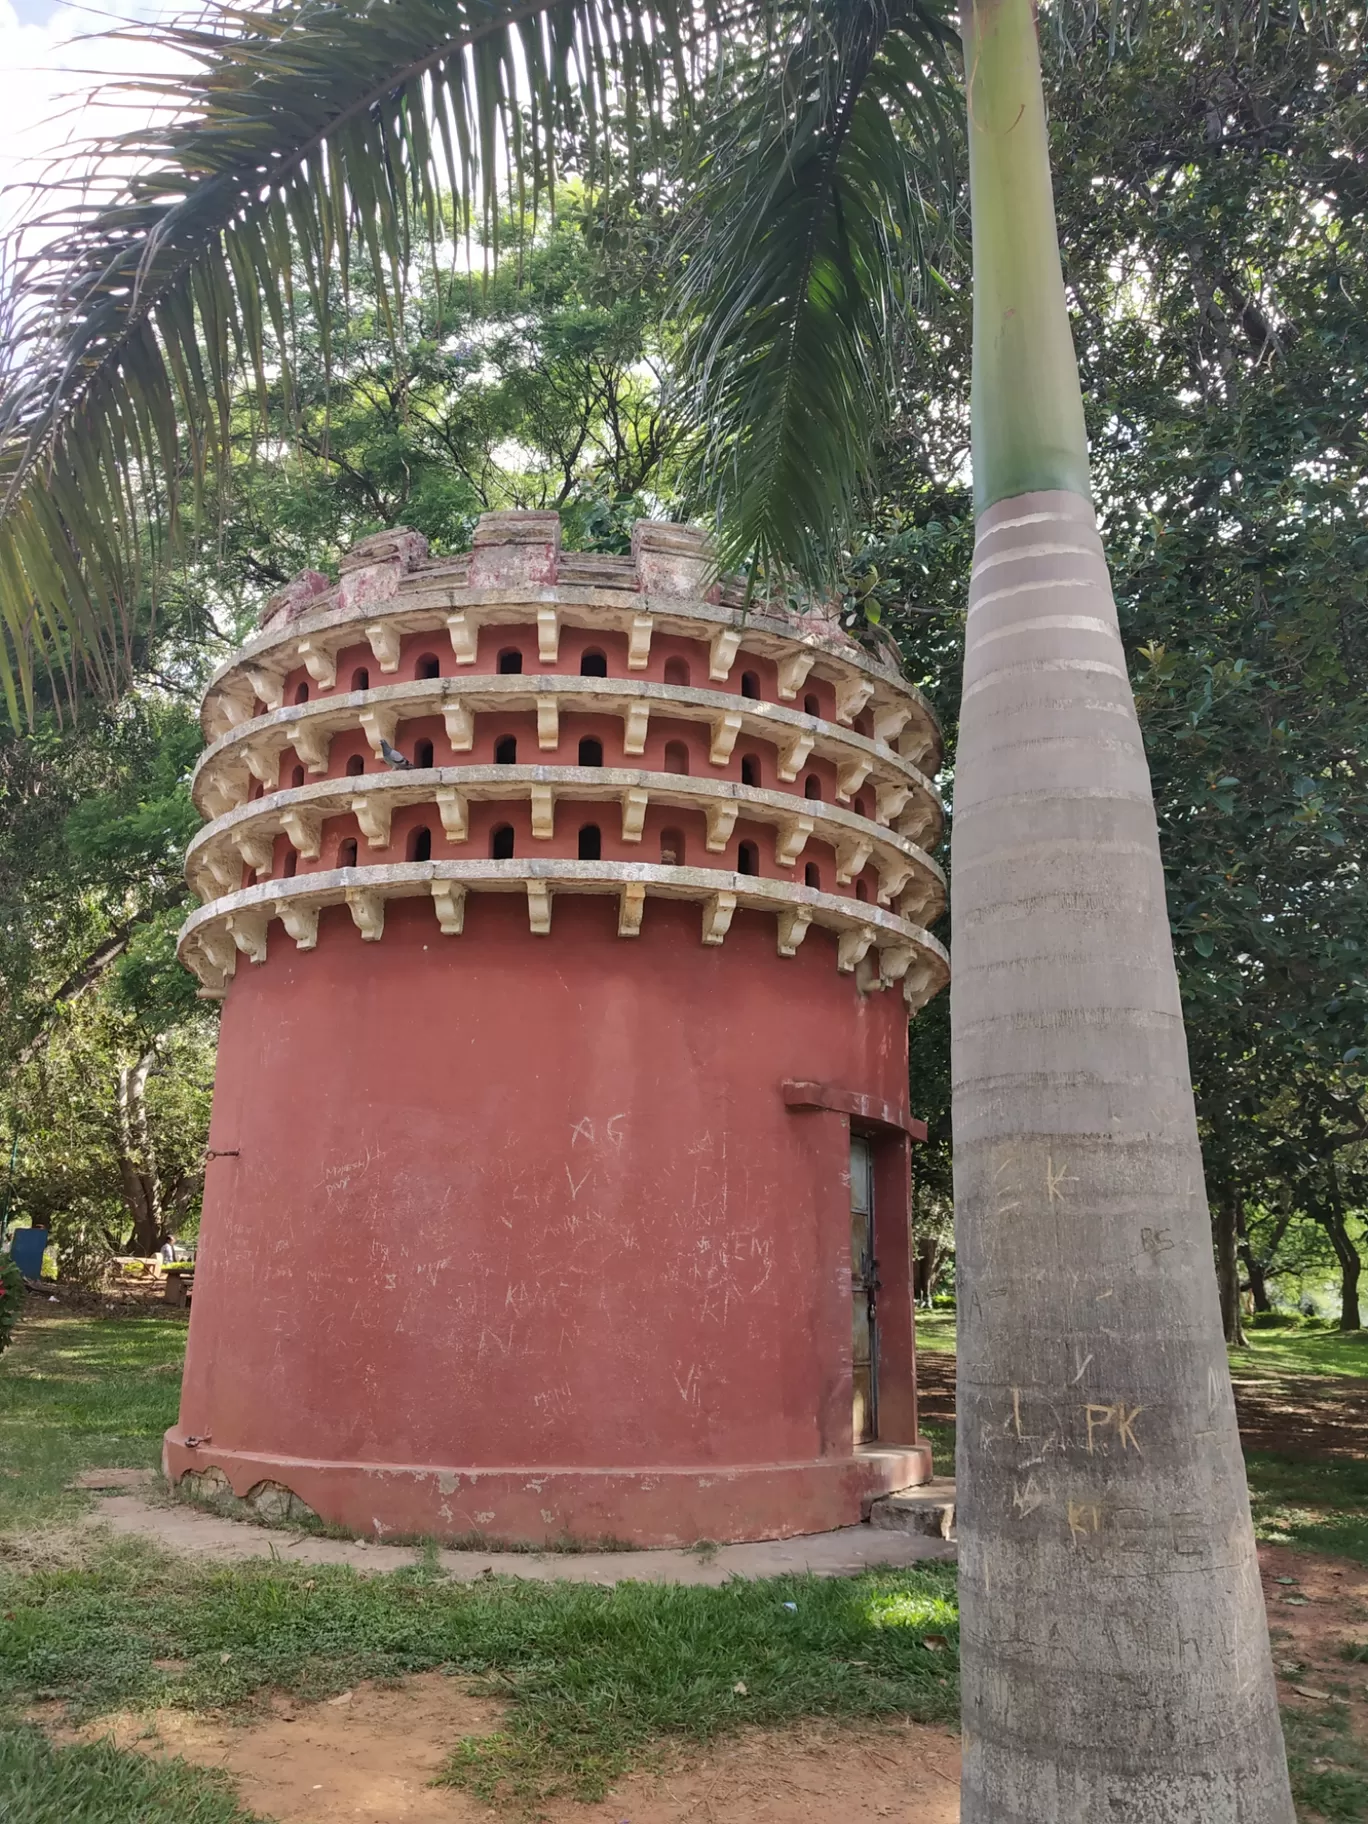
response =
{"points": [[1225, 420], [95, 821], [105, 1050], [113, 1120], [533, 385]]}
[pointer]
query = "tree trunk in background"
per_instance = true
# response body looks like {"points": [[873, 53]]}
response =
{"points": [[137, 1158], [1115, 1661], [926, 1261], [1227, 1226], [1258, 1282], [1258, 1269], [1331, 1214]]}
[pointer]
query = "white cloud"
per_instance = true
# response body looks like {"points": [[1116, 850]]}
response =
{"points": [[58, 83]]}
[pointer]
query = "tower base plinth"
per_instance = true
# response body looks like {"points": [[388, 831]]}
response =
{"points": [[550, 1507]]}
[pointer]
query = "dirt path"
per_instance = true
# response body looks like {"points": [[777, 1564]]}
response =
{"points": [[1303, 1415], [368, 1758]]}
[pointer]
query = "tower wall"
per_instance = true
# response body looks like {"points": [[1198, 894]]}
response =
{"points": [[527, 1213]]}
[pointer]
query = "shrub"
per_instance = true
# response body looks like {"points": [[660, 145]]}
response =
{"points": [[11, 1299], [1274, 1320]]}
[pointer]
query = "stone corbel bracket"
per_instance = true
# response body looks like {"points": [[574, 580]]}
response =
{"points": [[900, 788], [215, 857], [242, 920]]}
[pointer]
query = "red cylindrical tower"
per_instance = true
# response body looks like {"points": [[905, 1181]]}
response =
{"points": [[559, 1159]]}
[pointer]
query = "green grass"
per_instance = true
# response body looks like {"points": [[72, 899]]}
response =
{"points": [[101, 1784], [936, 1331], [1316, 1352], [1322, 1507], [595, 1680], [82, 1393], [1329, 1767], [593, 1677], [1270, 1352]]}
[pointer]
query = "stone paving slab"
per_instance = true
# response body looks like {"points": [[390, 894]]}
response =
{"points": [[929, 1509], [838, 1554]]}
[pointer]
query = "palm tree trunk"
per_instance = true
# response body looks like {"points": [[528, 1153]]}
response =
{"points": [[1114, 1646]]}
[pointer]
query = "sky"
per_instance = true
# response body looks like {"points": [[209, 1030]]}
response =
{"points": [[47, 59]]}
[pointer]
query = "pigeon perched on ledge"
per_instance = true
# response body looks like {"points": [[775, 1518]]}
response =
{"points": [[392, 757]]}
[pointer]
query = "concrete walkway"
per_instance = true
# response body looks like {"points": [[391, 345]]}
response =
{"points": [[838, 1554]]}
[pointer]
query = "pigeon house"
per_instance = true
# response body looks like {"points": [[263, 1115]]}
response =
{"points": [[567, 911]]}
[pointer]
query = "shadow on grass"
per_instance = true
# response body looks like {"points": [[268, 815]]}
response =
{"points": [[1316, 1352]]}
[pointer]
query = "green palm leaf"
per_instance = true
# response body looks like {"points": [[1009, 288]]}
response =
{"points": [[316, 130], [824, 192]]}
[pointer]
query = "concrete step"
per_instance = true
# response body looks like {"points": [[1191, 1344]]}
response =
{"points": [[928, 1509]]}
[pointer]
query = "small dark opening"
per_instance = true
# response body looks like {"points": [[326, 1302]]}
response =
{"points": [[861, 890], [811, 706], [420, 844], [501, 843], [422, 753], [676, 671], [750, 684], [510, 661], [590, 842], [302, 693], [812, 786], [355, 765], [506, 751], [346, 852], [862, 806], [812, 876], [594, 664], [258, 789], [676, 757], [748, 859], [291, 863], [591, 751], [750, 770], [672, 848], [360, 678], [428, 666], [297, 777]]}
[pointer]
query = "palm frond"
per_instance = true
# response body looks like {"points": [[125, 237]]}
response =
{"points": [[825, 190], [316, 131]]}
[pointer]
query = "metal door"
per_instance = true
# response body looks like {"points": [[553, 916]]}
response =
{"points": [[864, 1286]]}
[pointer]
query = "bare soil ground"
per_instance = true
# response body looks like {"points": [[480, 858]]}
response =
{"points": [[1302, 1415], [1317, 1607], [119, 1298], [369, 1758]]}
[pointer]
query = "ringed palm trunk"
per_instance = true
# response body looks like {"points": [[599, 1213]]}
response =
{"points": [[1115, 1652]]}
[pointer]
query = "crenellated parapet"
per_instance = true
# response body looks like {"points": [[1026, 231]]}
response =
{"points": [[525, 720]]}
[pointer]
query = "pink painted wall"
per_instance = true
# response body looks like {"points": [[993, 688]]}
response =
{"points": [[503, 1200]]}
